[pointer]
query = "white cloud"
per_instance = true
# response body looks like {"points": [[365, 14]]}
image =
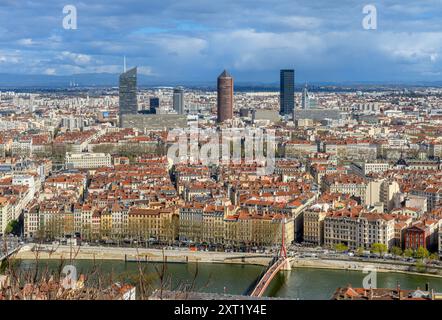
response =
{"points": [[77, 58], [9, 58], [295, 21], [50, 71], [423, 47], [249, 49], [145, 70], [25, 42]]}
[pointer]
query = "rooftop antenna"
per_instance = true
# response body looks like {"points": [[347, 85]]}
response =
{"points": [[124, 63]]}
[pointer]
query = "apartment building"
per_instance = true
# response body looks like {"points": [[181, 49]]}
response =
{"points": [[374, 167], [299, 148], [233, 226], [350, 184], [21, 148], [314, 223], [432, 193], [5, 213], [440, 243], [87, 160], [358, 229], [191, 222], [422, 233], [250, 229], [213, 224], [156, 224], [387, 191]]}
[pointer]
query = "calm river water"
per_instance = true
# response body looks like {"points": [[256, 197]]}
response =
{"points": [[299, 283]]}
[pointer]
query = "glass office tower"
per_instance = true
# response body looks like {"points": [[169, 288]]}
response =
{"points": [[128, 93], [287, 92], [178, 100]]}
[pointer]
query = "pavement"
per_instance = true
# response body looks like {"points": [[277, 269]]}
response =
{"points": [[29, 251]]}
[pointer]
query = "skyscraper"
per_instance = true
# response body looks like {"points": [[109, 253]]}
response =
{"points": [[305, 103], [154, 104], [178, 100], [287, 92], [128, 93], [225, 97]]}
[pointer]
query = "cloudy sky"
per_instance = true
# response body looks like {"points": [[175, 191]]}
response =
{"points": [[194, 40]]}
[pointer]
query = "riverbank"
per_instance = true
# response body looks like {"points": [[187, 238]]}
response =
{"points": [[184, 255], [364, 266], [49, 252]]}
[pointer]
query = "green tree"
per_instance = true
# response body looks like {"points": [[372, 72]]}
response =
{"points": [[12, 227], [360, 251], [434, 256], [420, 266], [408, 252], [340, 247], [379, 248], [396, 251], [421, 253]]}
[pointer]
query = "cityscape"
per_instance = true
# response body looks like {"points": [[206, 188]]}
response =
{"points": [[218, 187]]}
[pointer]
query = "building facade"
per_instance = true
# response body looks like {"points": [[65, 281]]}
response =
{"points": [[87, 160], [178, 100], [225, 97], [287, 92], [358, 230], [128, 93], [314, 224]]}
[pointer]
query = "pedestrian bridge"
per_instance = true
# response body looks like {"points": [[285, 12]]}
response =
{"points": [[4, 255], [281, 263], [278, 263]]}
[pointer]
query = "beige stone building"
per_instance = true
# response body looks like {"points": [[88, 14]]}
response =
{"points": [[350, 184], [358, 229], [314, 223], [158, 224], [87, 160], [387, 191]]}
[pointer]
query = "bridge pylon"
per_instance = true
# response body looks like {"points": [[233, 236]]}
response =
{"points": [[283, 251]]}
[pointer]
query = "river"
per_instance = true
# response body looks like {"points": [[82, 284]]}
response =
{"points": [[299, 283]]}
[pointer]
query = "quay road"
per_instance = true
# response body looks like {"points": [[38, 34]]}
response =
{"points": [[184, 254], [297, 251], [170, 254]]}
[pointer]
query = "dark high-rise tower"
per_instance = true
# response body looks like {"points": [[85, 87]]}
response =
{"points": [[225, 96], [178, 100], [128, 93], [287, 92], [154, 104]]}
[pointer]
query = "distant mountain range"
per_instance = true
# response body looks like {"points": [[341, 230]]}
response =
{"points": [[17, 81]]}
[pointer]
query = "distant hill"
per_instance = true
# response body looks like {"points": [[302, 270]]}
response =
{"points": [[17, 81]]}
